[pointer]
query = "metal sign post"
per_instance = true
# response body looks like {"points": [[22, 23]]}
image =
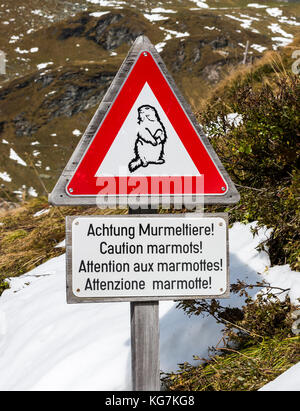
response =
{"points": [[145, 370], [144, 143], [144, 327], [143, 259]]}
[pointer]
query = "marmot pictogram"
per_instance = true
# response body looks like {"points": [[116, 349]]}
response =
{"points": [[151, 138]]}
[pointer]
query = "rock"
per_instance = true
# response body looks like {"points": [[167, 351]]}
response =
{"points": [[180, 57]]}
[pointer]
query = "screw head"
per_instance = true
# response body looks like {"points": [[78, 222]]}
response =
{"points": [[71, 190], [145, 54], [223, 188]]}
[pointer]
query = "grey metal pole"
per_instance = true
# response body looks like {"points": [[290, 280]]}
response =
{"points": [[144, 319]]}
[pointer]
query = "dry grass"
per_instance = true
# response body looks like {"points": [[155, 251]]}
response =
{"points": [[272, 63], [27, 241], [245, 370]]}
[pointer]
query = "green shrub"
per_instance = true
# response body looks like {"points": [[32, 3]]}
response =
{"points": [[258, 344], [262, 156], [4, 285], [245, 370]]}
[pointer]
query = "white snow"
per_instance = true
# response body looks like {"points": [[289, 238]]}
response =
{"points": [[169, 35], [234, 119], [99, 13], [14, 156], [258, 47], [14, 39], [76, 132], [160, 46], [176, 34], [291, 22], [46, 344], [211, 28], [107, 3], [154, 17], [280, 42], [32, 192], [201, 4], [257, 6], [44, 65], [32, 50], [274, 11], [5, 176], [161, 10], [62, 244], [288, 381], [275, 28]]}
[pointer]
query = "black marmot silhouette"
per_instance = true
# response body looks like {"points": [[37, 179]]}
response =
{"points": [[151, 138]]}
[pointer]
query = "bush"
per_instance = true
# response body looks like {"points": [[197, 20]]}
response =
{"points": [[261, 154], [258, 344], [4, 285]]}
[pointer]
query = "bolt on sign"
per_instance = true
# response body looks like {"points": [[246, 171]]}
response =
{"points": [[143, 142], [2, 62], [162, 257], [145, 148]]}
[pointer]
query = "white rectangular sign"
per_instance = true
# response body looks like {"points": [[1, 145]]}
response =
{"points": [[131, 258]]}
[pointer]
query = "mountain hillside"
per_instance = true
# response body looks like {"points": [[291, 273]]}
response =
{"points": [[61, 57]]}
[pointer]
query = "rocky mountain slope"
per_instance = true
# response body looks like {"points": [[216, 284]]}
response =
{"points": [[62, 55]]}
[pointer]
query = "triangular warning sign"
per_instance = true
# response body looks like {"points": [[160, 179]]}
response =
{"points": [[143, 141]]}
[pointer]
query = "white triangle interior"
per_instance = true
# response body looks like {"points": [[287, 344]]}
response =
{"points": [[177, 160]]}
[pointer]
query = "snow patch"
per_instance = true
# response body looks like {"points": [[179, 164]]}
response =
{"points": [[161, 10], [258, 48], [288, 381], [5, 176], [107, 3], [246, 21], [201, 4], [280, 42], [64, 347], [76, 132], [274, 11], [275, 28], [155, 17], [44, 65], [32, 192], [42, 212], [256, 6], [160, 46]]}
